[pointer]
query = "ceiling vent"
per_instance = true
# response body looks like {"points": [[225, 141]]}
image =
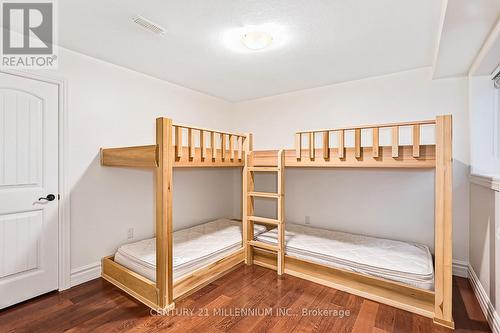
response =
{"points": [[148, 25]]}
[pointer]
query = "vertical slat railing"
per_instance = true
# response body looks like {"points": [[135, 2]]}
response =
{"points": [[236, 144], [376, 151]]}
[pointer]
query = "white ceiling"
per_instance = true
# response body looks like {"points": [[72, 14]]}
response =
{"points": [[327, 41], [465, 27]]}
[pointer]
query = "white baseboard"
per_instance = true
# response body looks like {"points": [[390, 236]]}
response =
{"points": [[85, 273], [460, 268], [484, 301]]}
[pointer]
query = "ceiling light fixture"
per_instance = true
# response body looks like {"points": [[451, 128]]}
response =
{"points": [[256, 40], [253, 38]]}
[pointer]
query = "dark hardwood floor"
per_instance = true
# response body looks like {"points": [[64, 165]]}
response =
{"points": [[98, 306]]}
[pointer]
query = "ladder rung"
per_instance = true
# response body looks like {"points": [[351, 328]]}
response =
{"points": [[264, 169], [263, 245], [264, 220], [263, 194]]}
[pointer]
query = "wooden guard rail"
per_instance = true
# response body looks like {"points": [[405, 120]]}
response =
{"points": [[236, 142], [214, 149], [358, 149]]}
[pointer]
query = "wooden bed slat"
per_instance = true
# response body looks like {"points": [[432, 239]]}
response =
{"points": [[231, 147], [213, 146], [416, 140], [375, 144], [178, 142], [191, 143], [298, 146], [240, 148], [326, 145], [395, 141], [311, 146], [223, 146], [357, 142], [341, 148], [203, 148]]}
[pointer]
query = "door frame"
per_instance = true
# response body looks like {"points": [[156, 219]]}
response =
{"points": [[64, 222]]}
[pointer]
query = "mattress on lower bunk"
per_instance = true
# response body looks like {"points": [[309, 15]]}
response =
{"points": [[398, 261], [193, 248]]}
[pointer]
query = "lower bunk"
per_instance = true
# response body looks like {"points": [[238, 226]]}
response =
{"points": [[201, 254], [396, 273]]}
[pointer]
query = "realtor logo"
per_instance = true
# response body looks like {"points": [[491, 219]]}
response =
{"points": [[28, 35]]}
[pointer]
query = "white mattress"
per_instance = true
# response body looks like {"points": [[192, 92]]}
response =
{"points": [[403, 262], [193, 248]]}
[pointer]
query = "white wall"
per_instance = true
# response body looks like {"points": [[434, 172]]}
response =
{"points": [[389, 203], [484, 240], [484, 122], [111, 106]]}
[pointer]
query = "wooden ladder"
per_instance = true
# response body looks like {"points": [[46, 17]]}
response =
{"points": [[248, 209]]}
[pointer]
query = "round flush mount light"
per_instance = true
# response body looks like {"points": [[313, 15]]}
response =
{"points": [[256, 40]]}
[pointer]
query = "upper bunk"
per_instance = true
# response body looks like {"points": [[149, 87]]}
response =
{"points": [[368, 146], [392, 145], [189, 146]]}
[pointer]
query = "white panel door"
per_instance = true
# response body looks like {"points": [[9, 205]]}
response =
{"points": [[28, 173]]}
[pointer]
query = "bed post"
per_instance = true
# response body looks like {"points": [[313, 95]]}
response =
{"points": [[247, 202], [164, 214], [443, 222]]}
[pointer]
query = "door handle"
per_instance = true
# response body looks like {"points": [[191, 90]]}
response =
{"points": [[49, 197]]}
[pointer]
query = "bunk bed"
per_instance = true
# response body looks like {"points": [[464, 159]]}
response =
{"points": [[151, 280], [275, 250], [427, 292]]}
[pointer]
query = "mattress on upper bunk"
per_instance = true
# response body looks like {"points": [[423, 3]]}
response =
{"points": [[398, 261], [193, 248]]}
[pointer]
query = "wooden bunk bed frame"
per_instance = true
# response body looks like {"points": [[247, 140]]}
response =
{"points": [[435, 304], [166, 155], [163, 157]]}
